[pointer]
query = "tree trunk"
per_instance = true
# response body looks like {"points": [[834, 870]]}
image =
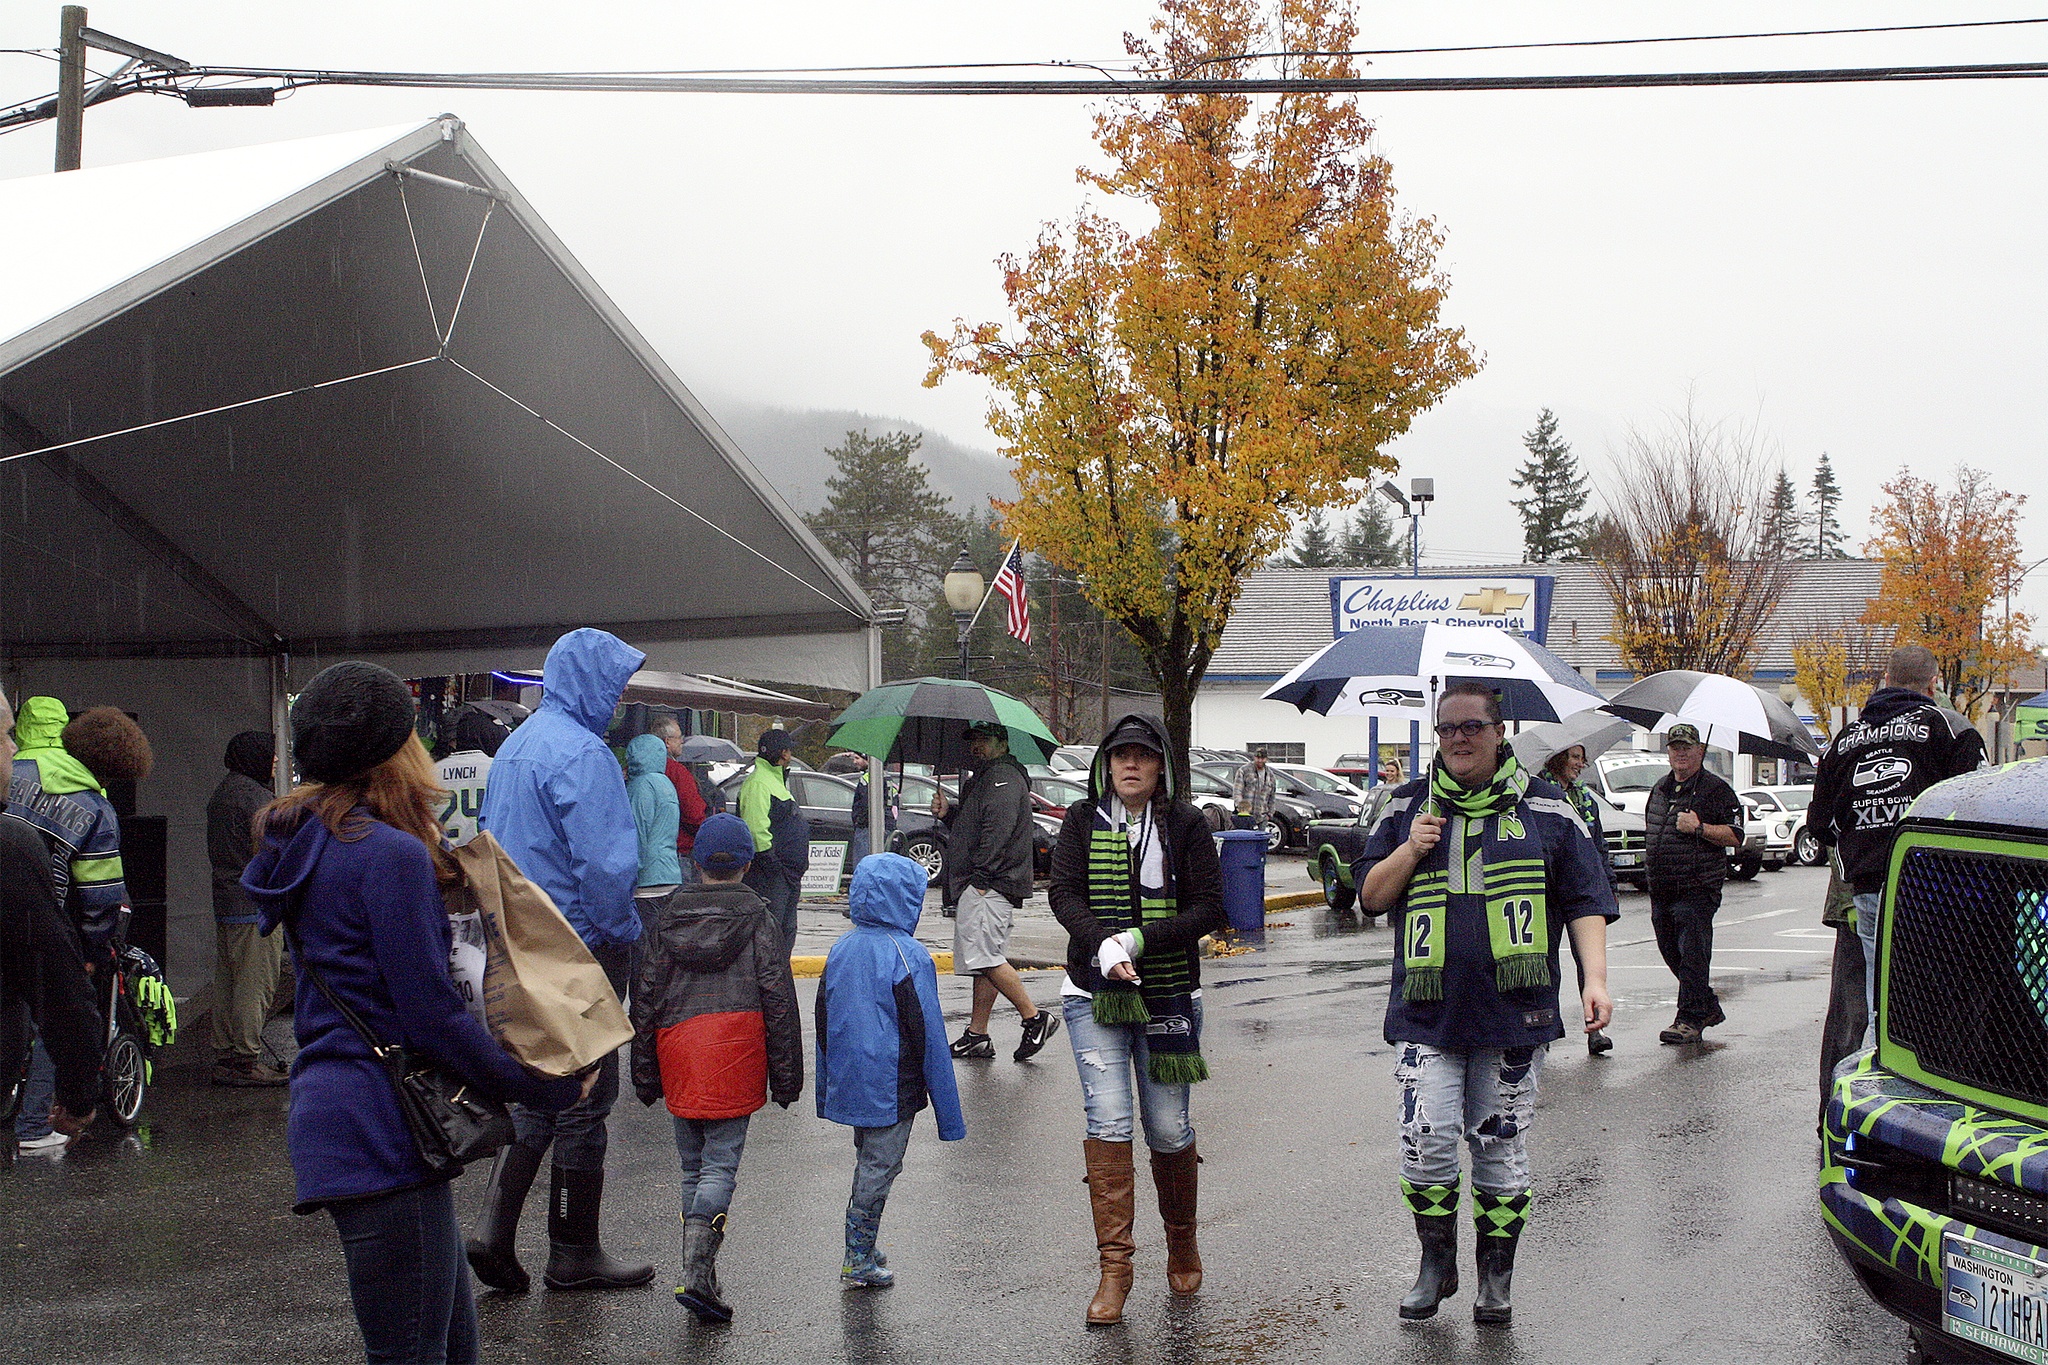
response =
{"points": [[1177, 692]]}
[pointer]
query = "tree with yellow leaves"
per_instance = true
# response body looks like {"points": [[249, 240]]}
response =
{"points": [[1949, 556], [1837, 663], [1173, 397]]}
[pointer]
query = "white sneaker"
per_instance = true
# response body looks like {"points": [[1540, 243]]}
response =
{"points": [[52, 1141]]}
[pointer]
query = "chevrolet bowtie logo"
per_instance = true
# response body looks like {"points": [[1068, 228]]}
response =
{"points": [[1493, 601]]}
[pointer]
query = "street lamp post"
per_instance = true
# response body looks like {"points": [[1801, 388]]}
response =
{"points": [[1415, 502], [964, 589]]}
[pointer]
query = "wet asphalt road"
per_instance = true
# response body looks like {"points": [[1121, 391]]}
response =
{"points": [[1674, 1217]]}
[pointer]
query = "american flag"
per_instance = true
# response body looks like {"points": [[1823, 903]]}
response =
{"points": [[1010, 583]]}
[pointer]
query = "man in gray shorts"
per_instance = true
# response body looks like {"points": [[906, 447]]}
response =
{"points": [[988, 876]]}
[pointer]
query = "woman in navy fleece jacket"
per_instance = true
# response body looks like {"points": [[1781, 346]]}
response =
{"points": [[354, 859]]}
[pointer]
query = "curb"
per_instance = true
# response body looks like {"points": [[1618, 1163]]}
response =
{"points": [[1292, 899], [804, 965]]}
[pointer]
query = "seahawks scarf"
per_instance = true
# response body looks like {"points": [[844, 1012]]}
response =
{"points": [[1163, 1000], [1480, 872]]}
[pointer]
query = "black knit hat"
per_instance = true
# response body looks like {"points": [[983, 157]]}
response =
{"points": [[349, 719]]}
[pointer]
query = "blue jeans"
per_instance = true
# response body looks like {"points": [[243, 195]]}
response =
{"points": [[578, 1132], [38, 1092], [1116, 1070], [1485, 1098], [407, 1277], [1869, 904], [859, 848], [710, 1152], [877, 1161]]}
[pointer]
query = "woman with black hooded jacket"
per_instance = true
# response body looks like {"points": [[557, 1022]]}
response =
{"points": [[1136, 885]]}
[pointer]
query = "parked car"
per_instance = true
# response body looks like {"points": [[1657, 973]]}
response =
{"points": [[1323, 780], [1624, 781], [1214, 797], [1357, 769], [1295, 804], [1058, 793], [1934, 1165], [1072, 758], [1787, 806], [921, 837]]}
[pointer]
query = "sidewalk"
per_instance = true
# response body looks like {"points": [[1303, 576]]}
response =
{"points": [[1036, 940]]}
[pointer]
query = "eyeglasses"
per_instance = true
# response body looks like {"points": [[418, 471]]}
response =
{"points": [[1468, 728]]}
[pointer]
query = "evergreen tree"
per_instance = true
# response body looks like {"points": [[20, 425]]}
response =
{"points": [[1553, 514], [1784, 534], [1828, 540], [1371, 540], [1313, 548]]}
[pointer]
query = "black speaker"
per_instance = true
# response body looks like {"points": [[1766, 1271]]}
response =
{"points": [[145, 863]]}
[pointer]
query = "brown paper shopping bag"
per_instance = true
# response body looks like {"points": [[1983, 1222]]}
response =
{"points": [[546, 1000]]}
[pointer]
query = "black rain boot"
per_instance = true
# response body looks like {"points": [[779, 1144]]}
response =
{"points": [[1436, 1226], [493, 1249], [1498, 1220], [575, 1259], [700, 1291]]}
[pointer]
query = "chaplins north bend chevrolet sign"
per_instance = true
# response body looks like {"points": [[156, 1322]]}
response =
{"points": [[1519, 604]]}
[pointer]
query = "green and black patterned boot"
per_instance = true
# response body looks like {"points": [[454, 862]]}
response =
{"points": [[1498, 1220], [1436, 1226]]}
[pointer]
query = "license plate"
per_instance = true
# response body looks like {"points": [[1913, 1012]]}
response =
{"points": [[1995, 1299], [1628, 860]]}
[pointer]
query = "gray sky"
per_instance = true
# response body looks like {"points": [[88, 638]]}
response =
{"points": [[1853, 269]]}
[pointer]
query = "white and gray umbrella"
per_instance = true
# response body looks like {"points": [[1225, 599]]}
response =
{"points": [[1596, 729], [1398, 671], [1731, 714]]}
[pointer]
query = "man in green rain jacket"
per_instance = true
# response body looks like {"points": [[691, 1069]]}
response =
{"points": [[58, 797]]}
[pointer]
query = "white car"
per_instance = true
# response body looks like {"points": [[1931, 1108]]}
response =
{"points": [[1323, 780], [1784, 812]]}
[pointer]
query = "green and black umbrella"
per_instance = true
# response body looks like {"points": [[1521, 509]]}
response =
{"points": [[925, 720]]}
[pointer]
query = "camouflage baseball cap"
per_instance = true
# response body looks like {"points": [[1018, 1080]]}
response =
{"points": [[1685, 732]]}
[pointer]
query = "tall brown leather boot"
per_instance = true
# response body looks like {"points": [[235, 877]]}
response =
{"points": [[1111, 1181], [1173, 1173]]}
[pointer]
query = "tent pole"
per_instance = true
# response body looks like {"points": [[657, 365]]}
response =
{"points": [[280, 721]]}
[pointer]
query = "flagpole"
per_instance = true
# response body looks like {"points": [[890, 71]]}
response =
{"points": [[990, 591]]}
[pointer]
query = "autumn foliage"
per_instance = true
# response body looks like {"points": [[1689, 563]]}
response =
{"points": [[1173, 396], [1950, 557], [1837, 663]]}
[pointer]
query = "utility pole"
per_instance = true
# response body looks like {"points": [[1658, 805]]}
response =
{"points": [[1105, 673], [71, 87], [1052, 642]]}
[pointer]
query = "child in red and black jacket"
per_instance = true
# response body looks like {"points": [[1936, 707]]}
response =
{"points": [[716, 1034]]}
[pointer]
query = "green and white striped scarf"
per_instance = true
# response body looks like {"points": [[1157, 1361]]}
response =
{"points": [[1163, 1000], [1486, 868]]}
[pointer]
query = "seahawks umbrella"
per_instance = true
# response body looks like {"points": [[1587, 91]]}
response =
{"points": [[925, 720], [1595, 729], [1730, 713], [1395, 671]]}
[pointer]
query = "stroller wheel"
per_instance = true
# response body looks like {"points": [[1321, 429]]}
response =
{"points": [[127, 1080]]}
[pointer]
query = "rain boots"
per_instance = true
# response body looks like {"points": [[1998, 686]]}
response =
{"points": [[493, 1248], [575, 1259], [1111, 1180], [1174, 1176], [864, 1267], [1436, 1226], [700, 1292], [1498, 1220]]}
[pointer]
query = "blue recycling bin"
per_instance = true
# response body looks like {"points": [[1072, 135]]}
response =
{"points": [[1243, 855]]}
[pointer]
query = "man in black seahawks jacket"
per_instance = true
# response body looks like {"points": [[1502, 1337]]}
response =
{"points": [[1902, 744]]}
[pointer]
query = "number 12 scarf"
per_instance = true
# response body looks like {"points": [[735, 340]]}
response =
{"points": [[1480, 873]]}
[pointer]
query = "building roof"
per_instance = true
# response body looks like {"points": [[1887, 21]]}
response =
{"points": [[1283, 615]]}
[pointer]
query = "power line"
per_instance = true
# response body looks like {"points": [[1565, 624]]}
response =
{"points": [[189, 83], [1627, 42]]}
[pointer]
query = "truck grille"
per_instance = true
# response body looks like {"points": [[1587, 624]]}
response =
{"points": [[1967, 975], [1623, 841]]}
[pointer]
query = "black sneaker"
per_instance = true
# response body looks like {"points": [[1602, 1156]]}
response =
{"points": [[972, 1044], [1598, 1044], [1715, 1018], [1038, 1029]]}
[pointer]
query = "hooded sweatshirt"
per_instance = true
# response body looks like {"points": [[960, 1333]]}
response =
{"points": [[715, 1022], [557, 802], [657, 811], [1903, 743], [1186, 864], [55, 795], [882, 1050], [371, 924]]}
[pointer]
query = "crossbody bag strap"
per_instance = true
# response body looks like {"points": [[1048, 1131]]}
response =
{"points": [[301, 962]]}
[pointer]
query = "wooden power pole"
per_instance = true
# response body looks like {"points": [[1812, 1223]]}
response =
{"points": [[71, 87]]}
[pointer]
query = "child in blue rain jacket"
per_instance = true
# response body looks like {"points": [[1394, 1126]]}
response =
{"points": [[882, 1051]]}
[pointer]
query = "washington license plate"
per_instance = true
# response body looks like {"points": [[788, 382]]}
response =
{"points": [[1628, 860], [1995, 1299]]}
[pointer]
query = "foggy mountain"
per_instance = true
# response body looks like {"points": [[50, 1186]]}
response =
{"points": [[788, 445]]}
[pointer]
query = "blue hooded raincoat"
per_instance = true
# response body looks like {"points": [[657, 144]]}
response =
{"points": [[882, 1053], [557, 801], [657, 810]]}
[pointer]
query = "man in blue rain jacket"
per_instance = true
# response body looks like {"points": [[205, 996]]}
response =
{"points": [[557, 804]]}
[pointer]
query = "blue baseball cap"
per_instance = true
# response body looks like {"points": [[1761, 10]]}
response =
{"points": [[723, 844]]}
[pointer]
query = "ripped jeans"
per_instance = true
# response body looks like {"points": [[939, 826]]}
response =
{"points": [[1486, 1098], [1116, 1075]]}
